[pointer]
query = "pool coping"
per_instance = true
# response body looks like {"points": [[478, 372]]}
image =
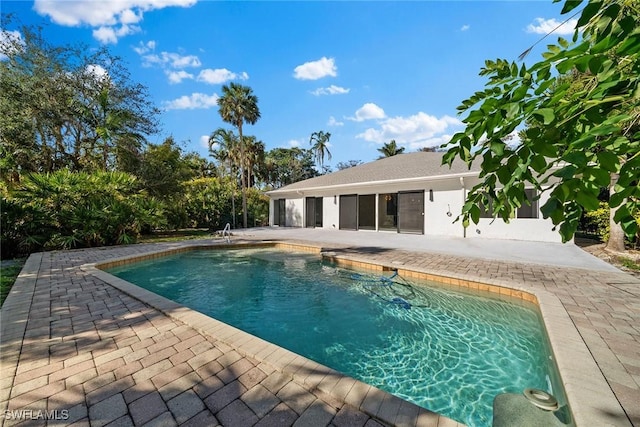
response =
{"points": [[588, 394]]}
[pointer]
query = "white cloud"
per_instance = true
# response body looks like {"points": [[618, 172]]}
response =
{"points": [[546, 26], [171, 59], [315, 70], [465, 27], [220, 75], [417, 129], [367, 112], [192, 102], [111, 34], [204, 142], [97, 71], [333, 122], [9, 42], [144, 48], [293, 143], [178, 76], [110, 19], [331, 90]]}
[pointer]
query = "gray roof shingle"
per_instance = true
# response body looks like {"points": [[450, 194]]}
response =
{"points": [[402, 166]]}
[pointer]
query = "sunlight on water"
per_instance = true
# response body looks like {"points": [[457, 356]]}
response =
{"points": [[446, 351]]}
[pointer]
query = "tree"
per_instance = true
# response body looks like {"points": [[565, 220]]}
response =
{"points": [[226, 150], [67, 107], [390, 149], [228, 154], [320, 147], [254, 159], [428, 149], [238, 105], [283, 166], [163, 169], [581, 139], [348, 164]]}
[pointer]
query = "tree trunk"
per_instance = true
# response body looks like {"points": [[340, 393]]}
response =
{"points": [[243, 182], [615, 243]]}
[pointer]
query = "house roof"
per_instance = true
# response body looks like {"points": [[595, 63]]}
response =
{"points": [[418, 165]]}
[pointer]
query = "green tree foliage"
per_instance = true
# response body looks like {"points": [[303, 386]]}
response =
{"points": [[163, 169], [585, 137], [284, 166], [348, 164], [208, 202], [390, 149], [66, 209], [67, 107], [238, 105], [254, 158], [319, 142], [75, 166]]}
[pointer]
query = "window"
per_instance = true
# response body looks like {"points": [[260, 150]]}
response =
{"points": [[525, 211], [531, 210]]}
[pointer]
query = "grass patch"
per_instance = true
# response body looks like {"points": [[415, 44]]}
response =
{"points": [[8, 276], [629, 263], [177, 235]]}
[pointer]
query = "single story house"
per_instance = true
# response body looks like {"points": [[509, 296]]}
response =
{"points": [[406, 193]]}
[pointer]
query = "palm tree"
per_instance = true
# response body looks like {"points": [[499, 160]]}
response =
{"points": [[227, 152], [321, 146], [227, 155], [254, 158], [238, 105], [390, 149]]}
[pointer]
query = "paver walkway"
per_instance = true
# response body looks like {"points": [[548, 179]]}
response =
{"points": [[74, 343]]}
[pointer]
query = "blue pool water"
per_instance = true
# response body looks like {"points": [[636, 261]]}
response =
{"points": [[445, 350]]}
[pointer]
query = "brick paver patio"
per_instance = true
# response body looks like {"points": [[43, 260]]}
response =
{"points": [[74, 344]]}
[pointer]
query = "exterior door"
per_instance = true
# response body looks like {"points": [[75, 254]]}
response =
{"points": [[367, 212], [318, 211], [279, 212], [313, 212], [310, 212], [349, 212], [411, 212]]}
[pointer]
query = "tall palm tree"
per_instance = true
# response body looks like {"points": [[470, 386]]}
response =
{"points": [[321, 146], [237, 106], [390, 149]]}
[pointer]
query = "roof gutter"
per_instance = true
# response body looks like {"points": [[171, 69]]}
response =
{"points": [[374, 183]]}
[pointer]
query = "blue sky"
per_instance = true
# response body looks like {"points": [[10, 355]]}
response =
{"points": [[367, 72]]}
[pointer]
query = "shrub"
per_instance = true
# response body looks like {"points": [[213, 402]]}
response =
{"points": [[63, 210], [208, 202], [257, 208], [597, 222]]}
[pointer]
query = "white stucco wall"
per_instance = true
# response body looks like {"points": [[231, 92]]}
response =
{"points": [[448, 196], [534, 229], [295, 212], [330, 212]]}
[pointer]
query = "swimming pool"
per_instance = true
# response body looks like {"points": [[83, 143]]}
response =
{"points": [[444, 350]]}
